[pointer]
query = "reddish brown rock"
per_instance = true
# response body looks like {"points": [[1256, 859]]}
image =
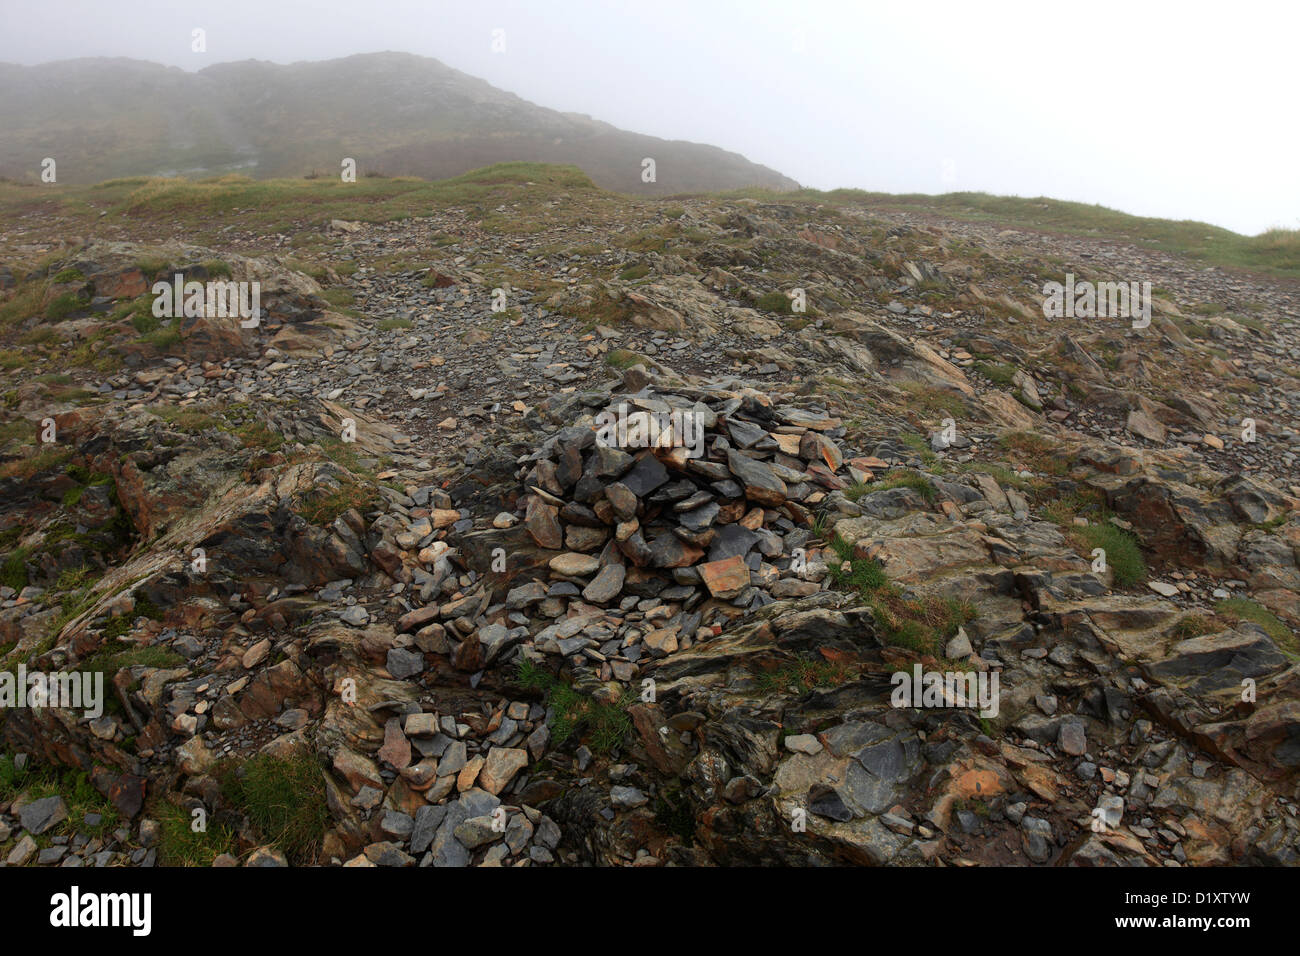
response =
{"points": [[396, 750], [725, 578], [388, 557], [468, 657], [817, 447], [125, 791], [500, 768], [357, 770], [414, 620], [127, 284], [279, 688], [543, 523]]}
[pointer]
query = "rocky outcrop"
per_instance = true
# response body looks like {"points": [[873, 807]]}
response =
{"points": [[635, 571]]}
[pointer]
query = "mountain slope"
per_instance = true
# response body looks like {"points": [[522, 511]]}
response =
{"points": [[913, 471], [393, 113]]}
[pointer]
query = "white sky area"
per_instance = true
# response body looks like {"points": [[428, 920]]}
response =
{"points": [[1184, 110]]}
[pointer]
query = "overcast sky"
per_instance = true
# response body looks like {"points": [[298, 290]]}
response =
{"points": [[1185, 110]]}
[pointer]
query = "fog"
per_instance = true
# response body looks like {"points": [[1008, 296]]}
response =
{"points": [[1182, 110]]}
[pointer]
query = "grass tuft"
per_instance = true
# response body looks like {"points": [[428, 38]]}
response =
{"points": [[605, 725], [180, 845], [1123, 552], [284, 800], [922, 485], [921, 624]]}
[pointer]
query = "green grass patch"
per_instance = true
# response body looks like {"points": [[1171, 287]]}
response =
{"points": [[1036, 452], [11, 359], [163, 339], [604, 309], [152, 267], [111, 659], [625, 358], [932, 402], [145, 322], [47, 458], [921, 624], [338, 296], [257, 434], [180, 845], [863, 574], [29, 300], [1195, 625], [905, 478], [605, 726], [799, 677], [919, 445], [773, 302], [322, 509], [13, 571], [1272, 524], [64, 305], [73, 603], [73, 579], [1001, 474], [996, 372], [40, 781], [17, 430], [1084, 503], [96, 354], [283, 798], [1244, 609], [638, 271], [288, 204], [191, 419], [1123, 552], [1276, 251]]}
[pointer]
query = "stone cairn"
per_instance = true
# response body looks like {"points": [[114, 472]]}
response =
{"points": [[668, 515]]}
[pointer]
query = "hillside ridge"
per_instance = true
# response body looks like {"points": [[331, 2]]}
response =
{"points": [[394, 113]]}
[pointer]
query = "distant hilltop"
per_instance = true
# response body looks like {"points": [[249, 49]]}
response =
{"points": [[394, 113]]}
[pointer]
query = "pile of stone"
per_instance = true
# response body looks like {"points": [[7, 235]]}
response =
{"points": [[448, 804], [669, 514]]}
